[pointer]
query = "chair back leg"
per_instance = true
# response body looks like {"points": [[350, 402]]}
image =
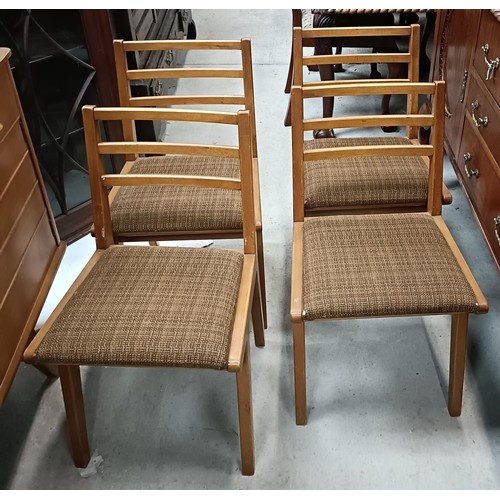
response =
{"points": [[458, 351], [258, 319], [245, 414], [75, 413]]}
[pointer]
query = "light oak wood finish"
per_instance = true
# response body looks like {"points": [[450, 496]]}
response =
{"points": [[246, 101], [170, 180], [356, 32], [434, 154], [248, 301]]}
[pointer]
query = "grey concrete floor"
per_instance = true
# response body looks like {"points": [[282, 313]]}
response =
{"points": [[377, 389]]}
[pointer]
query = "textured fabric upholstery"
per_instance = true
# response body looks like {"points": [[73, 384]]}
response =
{"points": [[150, 306], [357, 181], [174, 208], [380, 265]]}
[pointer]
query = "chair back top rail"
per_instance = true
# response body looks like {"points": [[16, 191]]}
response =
{"points": [[164, 73], [172, 100], [355, 31], [150, 45]]}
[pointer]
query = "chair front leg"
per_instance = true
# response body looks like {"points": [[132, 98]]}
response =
{"points": [[299, 369], [245, 414], [75, 413], [458, 351]]}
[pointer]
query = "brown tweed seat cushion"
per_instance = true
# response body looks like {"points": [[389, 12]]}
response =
{"points": [[174, 208], [364, 181], [150, 306], [380, 265]]}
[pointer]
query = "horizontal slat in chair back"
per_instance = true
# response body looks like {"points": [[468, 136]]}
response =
{"points": [[354, 31], [357, 151], [372, 88], [110, 180], [131, 46], [379, 57], [163, 73], [369, 121], [159, 148], [172, 100]]}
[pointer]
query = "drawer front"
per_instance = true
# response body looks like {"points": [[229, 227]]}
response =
{"points": [[478, 172], [490, 221], [488, 47], [9, 111], [485, 115], [13, 149], [481, 179]]}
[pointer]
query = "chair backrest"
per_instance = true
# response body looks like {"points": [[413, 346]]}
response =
{"points": [[435, 120], [100, 181], [126, 75], [363, 37]]}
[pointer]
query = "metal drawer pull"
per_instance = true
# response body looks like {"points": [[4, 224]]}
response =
{"points": [[492, 65], [478, 120], [496, 220], [1, 127], [472, 172]]}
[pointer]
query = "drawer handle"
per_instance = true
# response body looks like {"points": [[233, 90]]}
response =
{"points": [[491, 65], [496, 221], [481, 120], [471, 172], [1, 127]]}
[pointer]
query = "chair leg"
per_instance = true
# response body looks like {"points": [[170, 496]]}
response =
{"points": [[75, 413], [458, 352], [299, 367], [262, 273], [245, 414], [257, 314]]}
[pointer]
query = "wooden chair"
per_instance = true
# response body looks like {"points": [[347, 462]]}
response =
{"points": [[363, 37], [197, 214], [378, 265], [354, 183], [158, 306]]}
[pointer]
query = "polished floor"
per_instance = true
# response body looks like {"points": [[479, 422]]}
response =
{"points": [[377, 389]]}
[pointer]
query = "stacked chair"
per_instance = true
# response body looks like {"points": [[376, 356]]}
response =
{"points": [[167, 212], [157, 306], [392, 183], [387, 260]]}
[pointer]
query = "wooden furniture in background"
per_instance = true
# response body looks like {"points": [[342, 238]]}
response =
{"points": [[62, 59], [467, 56], [30, 249], [378, 265], [171, 306]]}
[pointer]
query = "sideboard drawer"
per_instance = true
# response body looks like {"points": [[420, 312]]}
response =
{"points": [[484, 114], [476, 168], [488, 48]]}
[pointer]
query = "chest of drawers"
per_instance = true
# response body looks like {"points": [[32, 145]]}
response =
{"points": [[467, 57], [30, 249]]}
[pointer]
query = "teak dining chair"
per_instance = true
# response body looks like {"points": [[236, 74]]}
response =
{"points": [[157, 306], [166, 213], [357, 183], [365, 38], [380, 265]]}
